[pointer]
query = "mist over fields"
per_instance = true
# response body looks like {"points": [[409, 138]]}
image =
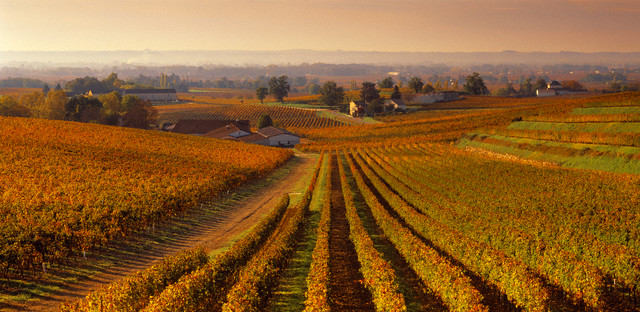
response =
{"points": [[295, 57]]}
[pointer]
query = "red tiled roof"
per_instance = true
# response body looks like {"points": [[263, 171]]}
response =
{"points": [[252, 138], [223, 131], [193, 126]]}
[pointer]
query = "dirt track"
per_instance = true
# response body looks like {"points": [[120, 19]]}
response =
{"points": [[211, 230]]}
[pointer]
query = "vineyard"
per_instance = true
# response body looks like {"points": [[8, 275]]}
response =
{"points": [[283, 116], [459, 210], [68, 188], [425, 227], [602, 135]]}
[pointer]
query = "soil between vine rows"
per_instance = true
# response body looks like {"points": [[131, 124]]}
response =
{"points": [[346, 291], [417, 296]]}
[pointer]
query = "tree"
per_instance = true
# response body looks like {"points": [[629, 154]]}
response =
{"points": [[111, 103], [526, 88], [386, 83], [264, 121], [540, 84], [112, 83], [83, 109], [416, 84], [54, 105], [279, 87], [261, 93], [428, 88], [376, 106], [86, 84], [475, 85], [314, 89], [10, 107], [508, 91], [396, 95], [141, 114], [46, 89], [330, 94], [128, 101], [299, 81], [34, 101], [369, 92]]}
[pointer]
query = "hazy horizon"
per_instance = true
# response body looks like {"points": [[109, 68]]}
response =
{"points": [[328, 25], [305, 56]]}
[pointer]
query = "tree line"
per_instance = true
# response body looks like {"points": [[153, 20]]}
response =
{"points": [[108, 109]]}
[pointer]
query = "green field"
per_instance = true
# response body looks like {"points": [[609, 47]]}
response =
{"points": [[606, 110], [604, 127]]}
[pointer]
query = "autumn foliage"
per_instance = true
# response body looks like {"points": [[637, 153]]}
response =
{"points": [[68, 187]]}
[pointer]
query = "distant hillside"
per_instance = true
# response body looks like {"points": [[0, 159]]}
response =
{"points": [[294, 57]]}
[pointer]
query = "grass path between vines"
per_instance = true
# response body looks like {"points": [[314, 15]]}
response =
{"points": [[290, 293], [214, 225]]}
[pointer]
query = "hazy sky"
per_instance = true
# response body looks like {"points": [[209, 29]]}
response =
{"points": [[363, 25]]}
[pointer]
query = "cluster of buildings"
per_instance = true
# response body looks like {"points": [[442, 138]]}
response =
{"points": [[236, 130], [555, 88], [359, 108]]}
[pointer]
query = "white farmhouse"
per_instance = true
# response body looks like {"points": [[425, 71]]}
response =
{"points": [[279, 137]]}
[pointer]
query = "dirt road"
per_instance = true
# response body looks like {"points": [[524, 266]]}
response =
{"points": [[213, 226]]}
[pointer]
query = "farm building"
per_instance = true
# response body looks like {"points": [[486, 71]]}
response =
{"points": [[436, 97], [202, 126], [279, 137], [554, 85], [228, 132], [255, 138], [546, 93], [395, 105], [554, 88], [152, 94], [357, 108]]}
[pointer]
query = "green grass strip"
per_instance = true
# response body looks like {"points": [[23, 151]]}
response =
{"points": [[605, 127]]}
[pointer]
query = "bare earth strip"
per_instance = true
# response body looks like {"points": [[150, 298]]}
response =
{"points": [[213, 226]]}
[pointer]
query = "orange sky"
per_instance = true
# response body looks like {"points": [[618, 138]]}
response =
{"points": [[363, 25]]}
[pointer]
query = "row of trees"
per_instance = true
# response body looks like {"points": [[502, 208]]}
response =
{"points": [[279, 87], [332, 95], [527, 88], [108, 109], [474, 84], [434, 83], [113, 83]]}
